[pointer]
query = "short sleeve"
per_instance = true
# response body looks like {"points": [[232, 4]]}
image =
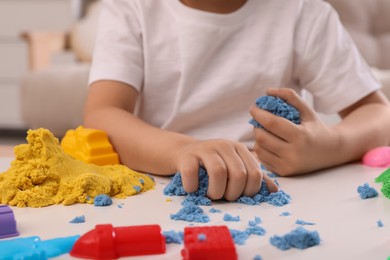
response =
{"points": [[327, 63], [118, 49]]}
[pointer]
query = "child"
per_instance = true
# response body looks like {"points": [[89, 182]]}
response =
{"points": [[172, 83]]}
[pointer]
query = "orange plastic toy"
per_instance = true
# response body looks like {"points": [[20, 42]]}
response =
{"points": [[90, 146]]}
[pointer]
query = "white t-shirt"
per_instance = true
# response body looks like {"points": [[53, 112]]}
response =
{"points": [[198, 72]]}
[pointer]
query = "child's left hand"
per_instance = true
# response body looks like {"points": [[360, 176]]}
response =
{"points": [[289, 149]]}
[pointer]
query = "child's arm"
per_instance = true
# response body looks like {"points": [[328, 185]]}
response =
{"points": [[290, 149], [232, 168]]}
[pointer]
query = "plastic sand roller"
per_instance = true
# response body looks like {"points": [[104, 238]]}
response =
{"points": [[90, 146], [107, 242], [7, 222]]}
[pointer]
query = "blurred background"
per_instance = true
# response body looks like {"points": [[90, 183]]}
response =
{"points": [[42, 44], [46, 48]]}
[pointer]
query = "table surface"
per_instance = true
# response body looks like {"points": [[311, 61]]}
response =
{"points": [[347, 225]]}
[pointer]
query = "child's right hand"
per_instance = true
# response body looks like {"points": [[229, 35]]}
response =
{"points": [[232, 169]]}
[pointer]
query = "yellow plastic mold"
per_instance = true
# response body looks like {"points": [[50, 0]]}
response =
{"points": [[90, 146]]}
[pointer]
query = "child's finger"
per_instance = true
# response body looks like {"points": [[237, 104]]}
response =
{"points": [[236, 173], [217, 173], [268, 158], [269, 137], [189, 168], [271, 185], [254, 175], [281, 128]]}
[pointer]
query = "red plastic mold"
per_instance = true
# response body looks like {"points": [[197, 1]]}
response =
{"points": [[107, 242], [7, 222], [208, 243]]}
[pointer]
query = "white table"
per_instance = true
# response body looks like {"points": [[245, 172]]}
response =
{"points": [[347, 224]]}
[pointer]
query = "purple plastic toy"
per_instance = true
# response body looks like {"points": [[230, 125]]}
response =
{"points": [[7, 222]]}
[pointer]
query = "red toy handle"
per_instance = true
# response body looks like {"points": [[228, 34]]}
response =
{"points": [[107, 242]]}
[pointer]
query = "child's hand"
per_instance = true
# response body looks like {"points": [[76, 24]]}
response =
{"points": [[289, 149], [232, 169]]}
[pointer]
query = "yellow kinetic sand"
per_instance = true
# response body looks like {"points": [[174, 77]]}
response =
{"points": [[42, 174], [90, 146]]}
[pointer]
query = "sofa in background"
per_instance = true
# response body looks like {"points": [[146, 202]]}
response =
{"points": [[53, 92], [368, 23], [53, 95]]}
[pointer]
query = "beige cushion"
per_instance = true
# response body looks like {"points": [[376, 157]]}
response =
{"points": [[83, 33], [368, 22], [54, 98]]}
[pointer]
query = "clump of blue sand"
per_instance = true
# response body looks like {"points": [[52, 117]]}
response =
{"points": [[228, 217], [379, 223], [102, 200], [173, 237], [277, 107], [366, 191], [299, 238], [302, 222], [175, 188], [253, 228], [193, 213], [78, 219]]}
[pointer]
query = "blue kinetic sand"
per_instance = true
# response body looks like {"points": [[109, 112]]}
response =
{"points": [[257, 257], [228, 217], [254, 222], [102, 200], [173, 237], [272, 175], [202, 237], [298, 238], [366, 191], [191, 213], [379, 223], [302, 222], [239, 236], [277, 107], [214, 210], [175, 188], [78, 219], [279, 198], [137, 188], [253, 228], [33, 248]]}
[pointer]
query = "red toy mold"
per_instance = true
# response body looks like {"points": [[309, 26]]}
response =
{"points": [[208, 243], [107, 242]]}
